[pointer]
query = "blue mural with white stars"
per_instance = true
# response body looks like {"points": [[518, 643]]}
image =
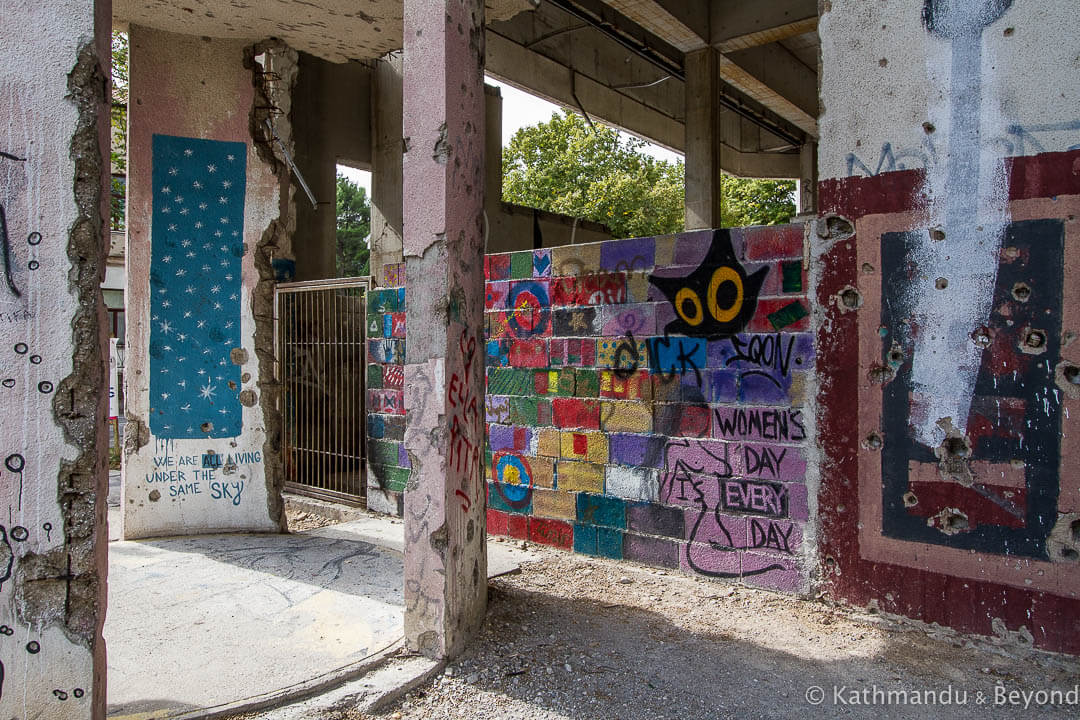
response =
{"points": [[197, 241]]}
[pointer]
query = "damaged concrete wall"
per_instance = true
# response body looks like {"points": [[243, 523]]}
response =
{"points": [[951, 146], [206, 210], [331, 123], [54, 69]]}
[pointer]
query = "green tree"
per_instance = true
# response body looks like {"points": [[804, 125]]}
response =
{"points": [[118, 117], [567, 167], [353, 228]]}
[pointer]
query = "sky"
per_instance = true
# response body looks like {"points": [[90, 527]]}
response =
{"points": [[520, 109]]}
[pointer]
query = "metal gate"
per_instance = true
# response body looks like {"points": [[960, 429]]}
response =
{"points": [[321, 364]]}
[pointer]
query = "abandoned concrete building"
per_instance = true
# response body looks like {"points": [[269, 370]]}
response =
{"points": [[871, 403]]}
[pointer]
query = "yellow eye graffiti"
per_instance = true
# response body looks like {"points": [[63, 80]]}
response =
{"points": [[681, 298], [721, 276]]}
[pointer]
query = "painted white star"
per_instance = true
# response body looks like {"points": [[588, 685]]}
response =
{"points": [[182, 383], [154, 318], [164, 396], [166, 190], [187, 313], [225, 262], [235, 233], [162, 291], [228, 324], [230, 158], [224, 248], [211, 168], [173, 171], [202, 372], [172, 228], [185, 243], [217, 306], [191, 253], [201, 323], [206, 268], [190, 289], [167, 348], [183, 211], [233, 296], [166, 259], [223, 200], [207, 391], [185, 408], [226, 184], [202, 206], [181, 337], [166, 304], [198, 224], [215, 289], [224, 221], [179, 199], [189, 152], [229, 276], [181, 359], [165, 210], [181, 272], [223, 411], [197, 185]]}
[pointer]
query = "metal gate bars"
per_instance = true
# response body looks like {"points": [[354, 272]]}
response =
{"points": [[321, 360]]}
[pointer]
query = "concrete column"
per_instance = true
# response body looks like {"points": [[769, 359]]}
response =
{"points": [[54, 149], [443, 170], [703, 136], [386, 130], [202, 440], [808, 179]]}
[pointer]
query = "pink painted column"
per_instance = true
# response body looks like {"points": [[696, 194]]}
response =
{"points": [[445, 553]]}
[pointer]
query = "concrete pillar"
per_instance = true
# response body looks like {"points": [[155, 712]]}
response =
{"points": [[703, 136], [808, 179], [386, 129], [443, 170], [202, 440], [54, 149]]}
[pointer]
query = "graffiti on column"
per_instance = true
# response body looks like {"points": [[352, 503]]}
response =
{"points": [[195, 286]]}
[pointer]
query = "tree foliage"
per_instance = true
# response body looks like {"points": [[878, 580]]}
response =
{"points": [[353, 228], [567, 167], [118, 117]]}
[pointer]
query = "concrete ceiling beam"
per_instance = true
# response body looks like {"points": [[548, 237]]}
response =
{"points": [[683, 24], [732, 23], [762, 89]]}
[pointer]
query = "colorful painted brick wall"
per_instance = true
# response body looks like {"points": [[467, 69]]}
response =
{"points": [[646, 401], [388, 463]]}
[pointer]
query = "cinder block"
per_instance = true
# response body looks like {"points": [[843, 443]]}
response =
{"points": [[523, 410], [510, 381], [773, 462], [638, 319], [521, 265], [497, 409], [590, 446], [530, 353], [575, 259], [655, 519], [554, 504], [575, 321], [551, 532], [576, 413], [632, 483], [548, 444], [665, 250], [681, 420], [388, 477], [543, 471], [585, 539], [626, 416], [621, 354], [563, 291], [374, 376], [381, 452], [574, 476], [555, 382], [775, 242], [497, 522], [518, 527], [499, 498], [601, 289], [609, 543], [628, 255], [658, 552], [637, 450], [497, 267], [586, 382], [495, 295], [635, 386], [637, 287], [601, 510], [542, 263]]}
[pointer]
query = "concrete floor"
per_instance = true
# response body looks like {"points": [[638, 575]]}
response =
{"points": [[225, 621]]}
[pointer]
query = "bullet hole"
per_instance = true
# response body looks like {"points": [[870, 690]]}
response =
{"points": [[1067, 553], [883, 62], [239, 356], [155, 495], [1071, 374], [937, 234], [1021, 292], [950, 521], [928, 127], [910, 500], [867, 268], [246, 377], [1008, 32], [834, 227], [850, 299], [207, 427], [941, 283], [880, 374], [1063, 543], [33, 647], [895, 356], [1034, 341], [247, 398], [982, 337], [956, 447], [232, 385], [873, 441]]}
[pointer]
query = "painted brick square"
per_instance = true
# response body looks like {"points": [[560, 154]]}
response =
{"points": [[521, 265], [523, 411], [574, 476], [512, 437], [498, 501], [554, 382], [543, 472], [783, 463], [590, 446], [563, 291], [658, 552], [621, 354], [576, 413], [626, 416], [585, 539], [575, 321], [548, 444], [632, 483], [496, 267], [681, 420], [497, 409], [620, 386], [374, 376], [609, 542], [554, 504], [510, 381], [394, 377], [601, 289], [497, 353], [541, 263], [518, 526], [497, 522], [601, 510], [495, 295], [654, 519], [773, 242], [637, 320], [637, 450], [677, 355], [551, 532], [575, 259], [628, 255], [586, 382], [532, 353], [498, 324]]}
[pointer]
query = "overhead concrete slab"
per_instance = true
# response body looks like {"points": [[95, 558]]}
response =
{"points": [[335, 30]]}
